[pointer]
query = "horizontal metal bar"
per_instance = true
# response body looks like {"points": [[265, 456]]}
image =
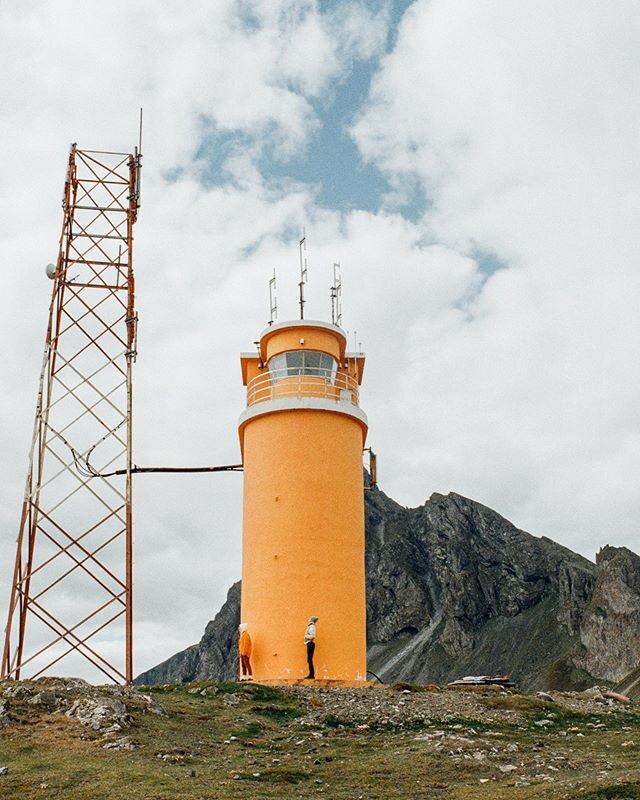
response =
{"points": [[98, 237], [123, 182], [97, 286], [102, 208], [106, 153], [89, 262]]}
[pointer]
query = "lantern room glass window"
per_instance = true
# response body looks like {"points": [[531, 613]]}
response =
{"points": [[303, 362]]}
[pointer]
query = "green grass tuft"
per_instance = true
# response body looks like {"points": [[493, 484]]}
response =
{"points": [[332, 721], [620, 791], [275, 775], [276, 712]]}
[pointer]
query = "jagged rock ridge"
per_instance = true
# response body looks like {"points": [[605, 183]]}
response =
{"points": [[453, 588]]}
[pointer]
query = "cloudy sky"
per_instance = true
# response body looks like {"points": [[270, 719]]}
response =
{"points": [[475, 168]]}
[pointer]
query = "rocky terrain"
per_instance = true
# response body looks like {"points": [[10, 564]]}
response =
{"points": [[211, 741], [453, 589]]}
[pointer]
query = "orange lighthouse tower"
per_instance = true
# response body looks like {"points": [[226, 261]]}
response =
{"points": [[302, 436]]}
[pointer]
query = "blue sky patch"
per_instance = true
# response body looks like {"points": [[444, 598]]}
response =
{"points": [[331, 160]]}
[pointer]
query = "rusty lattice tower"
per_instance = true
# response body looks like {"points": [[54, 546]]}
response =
{"points": [[71, 593]]}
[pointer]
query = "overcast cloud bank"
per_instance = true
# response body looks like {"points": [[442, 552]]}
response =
{"points": [[500, 322]]}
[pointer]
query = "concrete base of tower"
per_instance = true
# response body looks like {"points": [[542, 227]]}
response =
{"points": [[320, 683]]}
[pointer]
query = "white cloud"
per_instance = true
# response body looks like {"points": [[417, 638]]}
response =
{"points": [[520, 121]]}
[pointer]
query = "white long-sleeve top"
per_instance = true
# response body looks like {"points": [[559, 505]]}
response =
{"points": [[310, 633]]}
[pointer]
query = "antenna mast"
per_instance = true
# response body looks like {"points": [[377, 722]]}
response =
{"points": [[273, 299], [73, 573], [303, 270], [336, 296]]}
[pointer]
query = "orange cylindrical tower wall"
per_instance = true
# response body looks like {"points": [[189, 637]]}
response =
{"points": [[302, 436]]}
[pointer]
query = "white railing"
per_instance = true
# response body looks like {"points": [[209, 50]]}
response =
{"points": [[285, 383]]}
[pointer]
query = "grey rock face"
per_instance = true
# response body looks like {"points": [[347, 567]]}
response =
{"points": [[100, 713], [4, 713], [471, 594], [104, 709], [453, 588], [49, 701], [611, 621], [17, 691]]}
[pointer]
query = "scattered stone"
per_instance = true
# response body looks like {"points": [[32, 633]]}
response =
{"points": [[507, 767], [543, 723], [620, 698], [545, 696], [153, 706], [230, 699], [124, 743], [115, 728], [590, 694]]}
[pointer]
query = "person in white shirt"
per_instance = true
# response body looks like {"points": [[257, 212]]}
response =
{"points": [[310, 642]]}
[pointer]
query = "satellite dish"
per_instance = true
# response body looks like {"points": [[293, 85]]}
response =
{"points": [[50, 269]]}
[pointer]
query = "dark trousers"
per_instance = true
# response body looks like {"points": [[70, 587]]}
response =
{"points": [[245, 663], [311, 646]]}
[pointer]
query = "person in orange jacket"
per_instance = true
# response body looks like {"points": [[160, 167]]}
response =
{"points": [[244, 651]]}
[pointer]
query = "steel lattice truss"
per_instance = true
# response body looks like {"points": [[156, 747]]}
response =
{"points": [[72, 582]]}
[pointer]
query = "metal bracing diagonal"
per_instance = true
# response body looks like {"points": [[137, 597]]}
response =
{"points": [[84, 484], [86, 379], [64, 549], [103, 397], [78, 563], [108, 328], [68, 634], [84, 550], [89, 409], [73, 464], [90, 310]]}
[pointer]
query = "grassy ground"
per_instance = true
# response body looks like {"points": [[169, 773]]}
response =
{"points": [[263, 747]]}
